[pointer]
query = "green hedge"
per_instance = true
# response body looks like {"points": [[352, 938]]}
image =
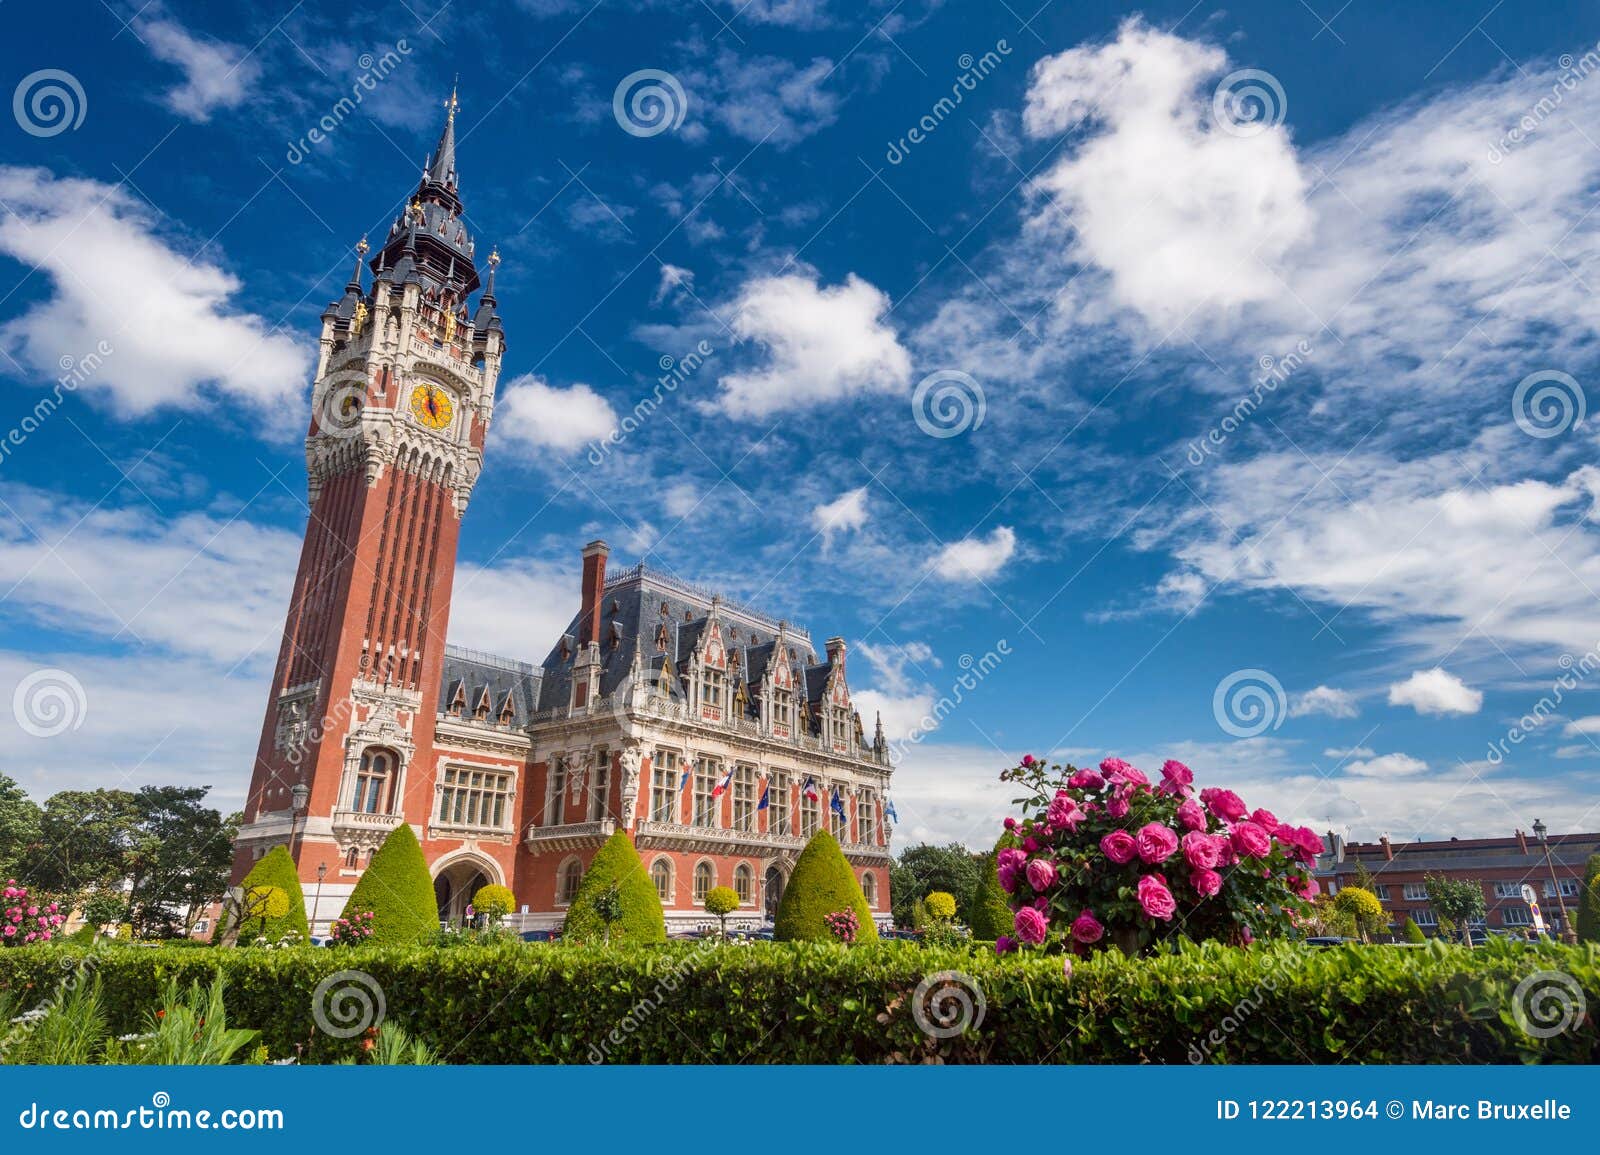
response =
{"points": [[817, 1003], [1588, 924]]}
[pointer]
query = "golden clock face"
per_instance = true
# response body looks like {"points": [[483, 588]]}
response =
{"points": [[431, 406]]}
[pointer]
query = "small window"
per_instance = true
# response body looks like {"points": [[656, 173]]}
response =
{"points": [[744, 884], [352, 858], [661, 875], [1416, 892], [703, 878], [869, 888], [201, 926], [567, 882]]}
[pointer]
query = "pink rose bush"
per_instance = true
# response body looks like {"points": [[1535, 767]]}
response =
{"points": [[351, 931], [1107, 857], [24, 921]]}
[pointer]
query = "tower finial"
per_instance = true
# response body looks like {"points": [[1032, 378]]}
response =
{"points": [[361, 251], [452, 104]]}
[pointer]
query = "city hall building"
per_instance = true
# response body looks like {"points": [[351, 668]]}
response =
{"points": [[718, 736]]}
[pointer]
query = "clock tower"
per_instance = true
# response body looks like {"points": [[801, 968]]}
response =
{"points": [[400, 405]]}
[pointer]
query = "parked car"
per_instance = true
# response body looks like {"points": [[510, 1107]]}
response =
{"points": [[1329, 940], [540, 936]]}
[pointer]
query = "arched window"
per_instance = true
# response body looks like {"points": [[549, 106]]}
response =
{"points": [[869, 888], [744, 883], [703, 881], [661, 875], [373, 781], [567, 881], [352, 857]]}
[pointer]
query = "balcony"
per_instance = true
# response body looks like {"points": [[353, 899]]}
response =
{"points": [[712, 839], [358, 826], [568, 836]]}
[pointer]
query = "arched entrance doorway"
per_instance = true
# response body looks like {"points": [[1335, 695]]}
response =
{"points": [[454, 888], [772, 892]]}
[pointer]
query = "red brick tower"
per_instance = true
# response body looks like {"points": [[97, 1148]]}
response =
{"points": [[401, 402]]}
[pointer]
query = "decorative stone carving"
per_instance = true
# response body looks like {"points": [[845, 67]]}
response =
{"points": [[631, 761]]}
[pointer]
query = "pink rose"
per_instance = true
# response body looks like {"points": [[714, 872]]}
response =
{"points": [[1011, 857], [1031, 926], [1251, 841], [1086, 928], [1005, 944], [1118, 806], [1064, 812], [1066, 967], [1119, 847], [1086, 780], [1008, 878], [1265, 818], [1155, 898], [1246, 936], [1027, 759], [1176, 778], [10, 930], [1119, 771], [1011, 823], [1041, 874], [1030, 844], [1308, 843], [1225, 804], [32, 910], [1156, 843], [1205, 882], [1200, 850], [1191, 815]]}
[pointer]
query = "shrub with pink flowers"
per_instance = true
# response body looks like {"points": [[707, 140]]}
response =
{"points": [[1107, 857], [351, 931], [28, 921], [843, 925]]}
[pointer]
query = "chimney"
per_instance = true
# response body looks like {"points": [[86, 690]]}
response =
{"points": [[1336, 846], [1522, 842], [594, 584], [836, 651], [1388, 850]]}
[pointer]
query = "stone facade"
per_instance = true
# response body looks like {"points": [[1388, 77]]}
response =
{"points": [[715, 734]]}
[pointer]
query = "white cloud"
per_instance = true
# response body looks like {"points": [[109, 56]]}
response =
{"points": [[163, 315], [1324, 700], [847, 513], [1386, 766], [822, 344], [761, 99], [215, 74], [532, 412], [1352, 752], [1180, 214], [901, 696], [1588, 725], [518, 607], [680, 500], [672, 277], [803, 14], [976, 559], [1437, 692]]}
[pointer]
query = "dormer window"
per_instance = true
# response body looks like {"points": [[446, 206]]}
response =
{"points": [[481, 710], [712, 689], [782, 710]]}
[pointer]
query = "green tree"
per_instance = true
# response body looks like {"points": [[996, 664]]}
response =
{"points": [[991, 916], [1362, 906], [924, 868], [822, 883], [1460, 901], [273, 869], [639, 917], [398, 890], [1588, 920], [1411, 932], [179, 860], [722, 901], [101, 908], [19, 827], [85, 839], [940, 905]]}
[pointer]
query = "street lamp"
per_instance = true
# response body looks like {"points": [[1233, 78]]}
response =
{"points": [[1568, 934], [299, 795], [316, 903]]}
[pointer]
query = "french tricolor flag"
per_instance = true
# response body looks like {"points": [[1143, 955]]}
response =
{"points": [[810, 789], [727, 780]]}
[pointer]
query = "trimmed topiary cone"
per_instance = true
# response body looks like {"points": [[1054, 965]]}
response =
{"points": [[991, 916], [617, 863], [275, 868], [822, 883], [398, 890], [1588, 923]]}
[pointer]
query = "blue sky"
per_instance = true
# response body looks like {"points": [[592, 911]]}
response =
{"points": [[1280, 316]]}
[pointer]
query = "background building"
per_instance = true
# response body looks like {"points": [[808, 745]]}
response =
{"points": [[1502, 865], [714, 733]]}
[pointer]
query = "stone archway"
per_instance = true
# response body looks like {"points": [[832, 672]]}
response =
{"points": [[771, 892], [456, 883]]}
